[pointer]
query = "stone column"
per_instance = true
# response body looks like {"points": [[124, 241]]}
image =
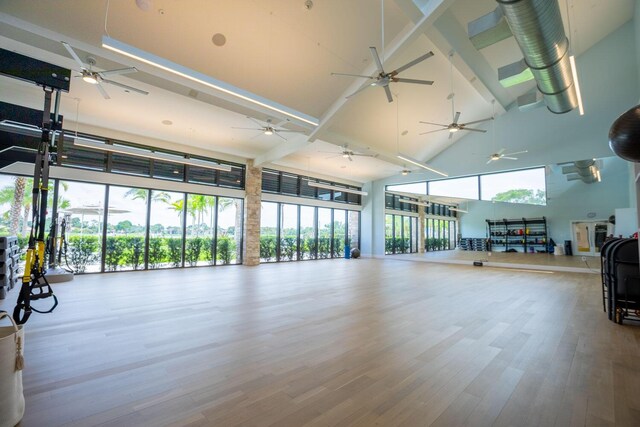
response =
{"points": [[421, 225], [252, 198]]}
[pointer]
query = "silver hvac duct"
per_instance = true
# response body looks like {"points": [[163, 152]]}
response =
{"points": [[537, 27], [583, 170]]}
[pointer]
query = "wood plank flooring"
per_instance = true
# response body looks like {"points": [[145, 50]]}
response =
{"points": [[362, 342]]}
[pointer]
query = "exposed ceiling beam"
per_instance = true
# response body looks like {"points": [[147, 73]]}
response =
{"points": [[432, 10], [447, 34], [282, 150]]}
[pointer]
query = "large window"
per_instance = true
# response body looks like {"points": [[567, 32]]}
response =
{"points": [[308, 241], [414, 187], [126, 229], [268, 232], [274, 181], [524, 186], [465, 188], [229, 235], [83, 207], [339, 232], [165, 229], [400, 234], [288, 232], [200, 243], [325, 233], [440, 234]]}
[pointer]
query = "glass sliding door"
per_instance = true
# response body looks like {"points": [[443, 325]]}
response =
{"points": [[229, 231], [339, 232], [397, 237], [406, 234], [288, 232], [199, 244], [165, 229], [325, 233], [388, 234], [126, 228], [414, 235], [353, 232], [308, 241], [83, 207], [268, 232]]}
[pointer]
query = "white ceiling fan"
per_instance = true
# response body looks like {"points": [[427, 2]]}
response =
{"points": [[347, 154], [455, 126], [268, 129], [502, 155], [98, 77]]}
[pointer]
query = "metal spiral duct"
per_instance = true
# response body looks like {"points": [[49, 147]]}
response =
{"points": [[537, 27]]}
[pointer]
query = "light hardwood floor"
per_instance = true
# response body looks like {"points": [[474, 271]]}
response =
{"points": [[331, 343]]}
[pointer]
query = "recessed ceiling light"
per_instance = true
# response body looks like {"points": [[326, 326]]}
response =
{"points": [[143, 5], [167, 122], [219, 39]]}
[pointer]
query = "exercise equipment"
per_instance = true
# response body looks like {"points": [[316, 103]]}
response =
{"points": [[57, 248], [624, 135]]}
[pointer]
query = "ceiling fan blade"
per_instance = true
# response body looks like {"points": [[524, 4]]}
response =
{"points": [[331, 157], [412, 63], [233, 127], [275, 132], [502, 150], [456, 117], [436, 124], [352, 75], [479, 121], [432, 131], [290, 131], [376, 58], [363, 155], [74, 55], [258, 135], [349, 157], [118, 71], [451, 135], [509, 158], [256, 122], [388, 92], [419, 82], [358, 91], [123, 86], [490, 160], [517, 152], [472, 129], [103, 92]]}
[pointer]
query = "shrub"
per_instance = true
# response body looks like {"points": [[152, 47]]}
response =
{"points": [[388, 245], [307, 248], [267, 247], [209, 249], [114, 252], [134, 251], [338, 247], [193, 249], [82, 252], [288, 248], [157, 252], [324, 247], [226, 249], [175, 251]]}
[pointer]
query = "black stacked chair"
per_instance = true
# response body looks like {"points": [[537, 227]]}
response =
{"points": [[621, 279]]}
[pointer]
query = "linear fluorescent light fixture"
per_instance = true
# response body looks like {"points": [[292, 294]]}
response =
{"points": [[420, 164], [203, 79], [415, 202], [458, 210], [336, 188], [80, 141], [574, 71]]}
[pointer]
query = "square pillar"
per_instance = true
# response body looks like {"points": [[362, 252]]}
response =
{"points": [[252, 205]]}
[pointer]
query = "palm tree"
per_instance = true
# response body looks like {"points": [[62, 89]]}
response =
{"points": [[142, 194]]}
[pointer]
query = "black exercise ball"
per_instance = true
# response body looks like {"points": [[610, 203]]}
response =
{"points": [[624, 135], [355, 253]]}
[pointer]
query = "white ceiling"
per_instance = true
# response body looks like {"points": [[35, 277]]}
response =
{"points": [[278, 50]]}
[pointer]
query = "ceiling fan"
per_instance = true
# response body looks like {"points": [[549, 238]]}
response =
{"points": [[502, 155], [454, 126], [268, 129], [347, 154], [98, 77], [383, 78]]}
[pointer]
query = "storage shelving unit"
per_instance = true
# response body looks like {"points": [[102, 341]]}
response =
{"points": [[472, 244], [524, 235]]}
